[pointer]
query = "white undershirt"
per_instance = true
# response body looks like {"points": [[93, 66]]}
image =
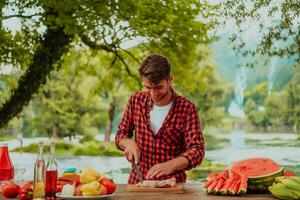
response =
{"points": [[158, 115]]}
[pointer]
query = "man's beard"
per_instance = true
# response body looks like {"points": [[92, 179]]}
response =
{"points": [[160, 98]]}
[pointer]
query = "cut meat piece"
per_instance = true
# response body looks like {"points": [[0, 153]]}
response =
{"points": [[168, 183]]}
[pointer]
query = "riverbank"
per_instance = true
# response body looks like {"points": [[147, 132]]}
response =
{"points": [[87, 148]]}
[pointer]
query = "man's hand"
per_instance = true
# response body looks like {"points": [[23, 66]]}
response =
{"points": [[160, 169], [167, 168], [131, 150]]}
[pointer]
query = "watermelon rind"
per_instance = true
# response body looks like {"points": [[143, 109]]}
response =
{"points": [[261, 184]]}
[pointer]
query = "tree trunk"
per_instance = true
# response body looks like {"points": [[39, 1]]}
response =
{"points": [[109, 125], [54, 132], [49, 52]]}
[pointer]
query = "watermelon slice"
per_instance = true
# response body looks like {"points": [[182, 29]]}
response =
{"points": [[212, 176], [243, 185], [218, 186], [207, 183], [252, 175], [234, 188], [226, 186], [212, 186], [261, 173]]}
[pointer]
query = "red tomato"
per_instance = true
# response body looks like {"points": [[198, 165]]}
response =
{"points": [[28, 185], [11, 190], [59, 188], [110, 186], [24, 197], [25, 194]]}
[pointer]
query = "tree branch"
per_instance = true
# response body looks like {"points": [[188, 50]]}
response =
{"points": [[127, 69], [131, 55], [94, 45], [113, 62], [107, 48], [19, 16]]}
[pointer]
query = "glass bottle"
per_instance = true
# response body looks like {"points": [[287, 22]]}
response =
{"points": [[6, 166], [39, 175], [51, 175]]}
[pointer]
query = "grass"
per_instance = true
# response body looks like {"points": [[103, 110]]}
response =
{"points": [[5, 137], [91, 148]]}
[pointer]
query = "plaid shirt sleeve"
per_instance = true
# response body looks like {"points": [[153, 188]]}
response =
{"points": [[194, 143], [126, 127]]}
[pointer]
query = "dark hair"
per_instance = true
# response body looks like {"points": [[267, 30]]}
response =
{"points": [[155, 68]]}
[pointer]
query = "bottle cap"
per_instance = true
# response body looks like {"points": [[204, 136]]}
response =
{"points": [[70, 170]]}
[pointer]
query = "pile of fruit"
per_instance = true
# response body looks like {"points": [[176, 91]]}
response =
{"points": [[286, 187], [253, 175], [88, 183], [223, 184], [12, 190]]}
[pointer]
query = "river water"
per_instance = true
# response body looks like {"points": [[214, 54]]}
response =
{"points": [[283, 148]]}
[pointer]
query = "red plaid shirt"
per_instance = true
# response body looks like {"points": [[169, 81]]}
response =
{"points": [[180, 134]]}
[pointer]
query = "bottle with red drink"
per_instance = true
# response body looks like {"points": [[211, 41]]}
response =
{"points": [[6, 166], [39, 175], [51, 175]]}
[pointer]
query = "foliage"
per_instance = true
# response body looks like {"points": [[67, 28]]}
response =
{"points": [[204, 86], [176, 26], [258, 93], [276, 22], [65, 106], [75, 100], [280, 109], [47, 54], [293, 102]]}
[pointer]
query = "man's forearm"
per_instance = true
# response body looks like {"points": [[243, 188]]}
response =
{"points": [[179, 163]]}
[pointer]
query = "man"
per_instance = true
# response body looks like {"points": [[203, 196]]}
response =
{"points": [[168, 137]]}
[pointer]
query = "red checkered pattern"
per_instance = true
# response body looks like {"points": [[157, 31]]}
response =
{"points": [[180, 134]]}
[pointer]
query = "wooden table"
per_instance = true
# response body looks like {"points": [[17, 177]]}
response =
{"points": [[191, 192]]}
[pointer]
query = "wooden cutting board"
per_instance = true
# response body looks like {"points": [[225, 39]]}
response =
{"points": [[179, 188]]}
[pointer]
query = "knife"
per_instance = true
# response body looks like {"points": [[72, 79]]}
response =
{"points": [[138, 172]]}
